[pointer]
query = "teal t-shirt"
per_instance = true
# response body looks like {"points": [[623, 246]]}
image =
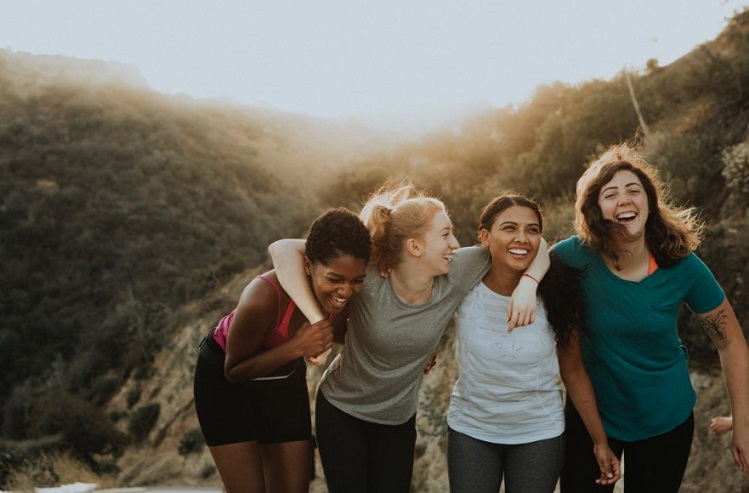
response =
{"points": [[630, 342]]}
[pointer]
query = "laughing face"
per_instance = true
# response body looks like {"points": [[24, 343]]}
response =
{"points": [[336, 283], [438, 244], [623, 201], [513, 239]]}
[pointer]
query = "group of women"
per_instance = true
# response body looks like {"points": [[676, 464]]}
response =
{"points": [[597, 311]]}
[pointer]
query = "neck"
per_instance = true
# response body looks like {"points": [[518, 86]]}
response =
{"points": [[634, 260], [410, 287], [503, 283]]}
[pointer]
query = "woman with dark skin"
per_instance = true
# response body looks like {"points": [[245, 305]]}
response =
{"points": [[367, 400], [637, 252], [250, 386]]}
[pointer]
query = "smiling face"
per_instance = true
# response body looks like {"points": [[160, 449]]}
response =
{"points": [[623, 201], [513, 239], [437, 245], [336, 283]]}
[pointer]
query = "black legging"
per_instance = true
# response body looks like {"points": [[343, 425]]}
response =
{"points": [[655, 464], [362, 457]]}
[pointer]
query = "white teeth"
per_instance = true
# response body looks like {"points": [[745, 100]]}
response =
{"points": [[518, 251], [626, 216], [448, 257]]}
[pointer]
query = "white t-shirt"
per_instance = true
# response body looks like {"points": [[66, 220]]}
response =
{"points": [[509, 390]]}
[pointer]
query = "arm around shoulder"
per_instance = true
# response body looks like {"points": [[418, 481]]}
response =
{"points": [[288, 260]]}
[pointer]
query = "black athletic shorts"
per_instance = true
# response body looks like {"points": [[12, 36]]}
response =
{"points": [[272, 411]]}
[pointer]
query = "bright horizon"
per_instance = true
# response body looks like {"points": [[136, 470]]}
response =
{"points": [[342, 59]]}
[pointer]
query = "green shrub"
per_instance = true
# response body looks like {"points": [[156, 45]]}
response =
{"points": [[142, 420]]}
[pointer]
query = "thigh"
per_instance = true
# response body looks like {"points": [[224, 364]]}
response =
{"points": [[658, 463], [580, 469], [283, 411], [390, 456], [240, 466], [287, 466], [225, 411], [534, 467], [341, 441], [473, 466]]}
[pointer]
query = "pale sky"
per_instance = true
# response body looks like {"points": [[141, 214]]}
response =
{"points": [[344, 58]]}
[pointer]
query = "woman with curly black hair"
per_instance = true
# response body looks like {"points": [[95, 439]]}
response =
{"points": [[250, 386], [506, 414]]}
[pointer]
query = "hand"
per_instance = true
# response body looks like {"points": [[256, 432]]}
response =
{"points": [[313, 340], [720, 425], [522, 307], [430, 364], [740, 448], [608, 463], [320, 359]]}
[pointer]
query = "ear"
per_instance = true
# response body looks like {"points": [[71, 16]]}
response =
{"points": [[414, 247], [307, 266], [484, 237]]}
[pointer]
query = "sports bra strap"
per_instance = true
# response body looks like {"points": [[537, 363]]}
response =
{"points": [[283, 325]]}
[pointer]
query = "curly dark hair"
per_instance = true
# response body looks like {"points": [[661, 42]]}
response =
{"points": [[564, 299], [334, 233], [671, 232]]}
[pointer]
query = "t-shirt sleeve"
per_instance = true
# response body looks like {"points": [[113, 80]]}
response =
{"points": [[705, 293], [468, 266], [571, 252]]}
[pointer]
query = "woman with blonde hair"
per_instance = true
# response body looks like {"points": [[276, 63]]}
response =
{"points": [[637, 251], [367, 400]]}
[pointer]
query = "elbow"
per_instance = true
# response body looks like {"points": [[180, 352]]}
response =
{"points": [[274, 248], [231, 374]]}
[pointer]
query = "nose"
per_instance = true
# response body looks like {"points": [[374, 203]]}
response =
{"points": [[346, 290], [454, 243]]}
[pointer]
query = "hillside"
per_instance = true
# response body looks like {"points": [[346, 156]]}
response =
{"points": [[130, 220]]}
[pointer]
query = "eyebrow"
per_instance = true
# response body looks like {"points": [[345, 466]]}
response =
{"points": [[515, 223], [614, 187]]}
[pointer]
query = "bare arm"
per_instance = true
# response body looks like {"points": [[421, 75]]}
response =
{"points": [[724, 330], [580, 391], [288, 261], [522, 309], [255, 314]]}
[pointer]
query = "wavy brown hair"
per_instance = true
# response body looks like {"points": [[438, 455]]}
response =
{"points": [[671, 232]]}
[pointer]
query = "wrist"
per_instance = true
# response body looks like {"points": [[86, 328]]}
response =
{"points": [[530, 277]]}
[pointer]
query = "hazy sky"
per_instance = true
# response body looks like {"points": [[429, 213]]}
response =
{"points": [[338, 58]]}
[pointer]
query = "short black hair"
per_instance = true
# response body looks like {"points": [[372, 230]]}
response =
{"points": [[334, 233]]}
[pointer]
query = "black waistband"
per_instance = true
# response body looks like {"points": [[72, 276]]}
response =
{"points": [[211, 351]]}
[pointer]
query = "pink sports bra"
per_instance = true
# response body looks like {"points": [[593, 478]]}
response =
{"points": [[275, 337]]}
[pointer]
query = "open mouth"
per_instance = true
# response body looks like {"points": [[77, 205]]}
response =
{"points": [[626, 217], [448, 257], [338, 302], [518, 251]]}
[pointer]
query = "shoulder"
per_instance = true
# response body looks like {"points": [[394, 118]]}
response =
{"points": [[262, 291], [573, 251]]}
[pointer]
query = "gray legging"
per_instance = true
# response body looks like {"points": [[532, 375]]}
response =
{"points": [[475, 466]]}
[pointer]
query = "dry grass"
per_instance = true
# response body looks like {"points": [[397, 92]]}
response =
{"points": [[54, 469]]}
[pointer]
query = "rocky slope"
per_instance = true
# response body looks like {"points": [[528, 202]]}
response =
{"points": [[171, 455]]}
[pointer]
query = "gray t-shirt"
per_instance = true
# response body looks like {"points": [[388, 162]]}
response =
{"points": [[379, 371]]}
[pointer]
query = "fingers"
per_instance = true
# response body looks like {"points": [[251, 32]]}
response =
{"points": [[517, 317], [320, 359], [315, 339], [430, 364]]}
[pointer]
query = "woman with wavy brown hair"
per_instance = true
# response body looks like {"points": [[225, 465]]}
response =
{"points": [[637, 252]]}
